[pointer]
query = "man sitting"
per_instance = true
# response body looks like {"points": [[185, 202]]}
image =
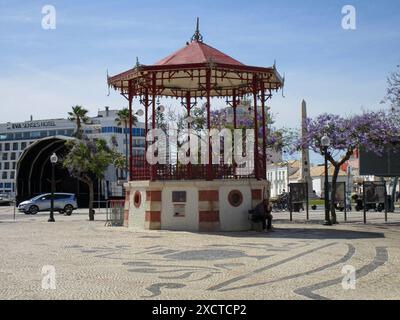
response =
{"points": [[262, 212]]}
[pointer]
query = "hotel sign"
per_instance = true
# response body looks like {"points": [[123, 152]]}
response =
{"points": [[31, 124]]}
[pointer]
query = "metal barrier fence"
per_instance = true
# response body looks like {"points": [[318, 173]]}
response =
{"points": [[101, 206], [115, 213]]}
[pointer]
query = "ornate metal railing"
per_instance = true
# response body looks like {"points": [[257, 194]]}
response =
{"points": [[141, 170]]}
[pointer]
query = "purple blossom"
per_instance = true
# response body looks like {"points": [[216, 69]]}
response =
{"points": [[372, 131]]}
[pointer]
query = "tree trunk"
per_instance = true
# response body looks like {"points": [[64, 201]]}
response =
{"points": [[86, 179], [78, 133], [91, 198], [333, 195], [337, 166], [395, 182]]}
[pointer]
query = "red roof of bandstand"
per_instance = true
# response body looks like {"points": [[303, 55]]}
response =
{"points": [[198, 53], [185, 71]]}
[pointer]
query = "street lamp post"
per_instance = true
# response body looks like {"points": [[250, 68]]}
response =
{"points": [[325, 142], [53, 160]]}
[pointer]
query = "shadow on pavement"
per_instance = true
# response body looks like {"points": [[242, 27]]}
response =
{"points": [[305, 233]]}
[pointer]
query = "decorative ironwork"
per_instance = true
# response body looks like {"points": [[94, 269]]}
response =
{"points": [[197, 35], [198, 72]]}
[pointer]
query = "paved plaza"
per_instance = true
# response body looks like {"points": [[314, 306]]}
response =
{"points": [[300, 260]]}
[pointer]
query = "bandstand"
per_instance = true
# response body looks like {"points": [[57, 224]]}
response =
{"points": [[196, 197]]}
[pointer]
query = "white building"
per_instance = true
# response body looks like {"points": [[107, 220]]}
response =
{"points": [[282, 174], [15, 137], [278, 174]]}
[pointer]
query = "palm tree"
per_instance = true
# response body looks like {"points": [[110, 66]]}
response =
{"points": [[123, 120], [79, 116]]}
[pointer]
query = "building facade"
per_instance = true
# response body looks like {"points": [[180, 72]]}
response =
{"points": [[16, 137], [282, 174], [279, 173]]}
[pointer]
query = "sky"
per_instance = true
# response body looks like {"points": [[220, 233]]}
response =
{"points": [[44, 72]]}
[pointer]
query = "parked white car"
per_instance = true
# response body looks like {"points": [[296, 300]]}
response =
{"points": [[63, 203]]}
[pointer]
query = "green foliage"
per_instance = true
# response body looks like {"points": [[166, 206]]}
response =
{"points": [[123, 118], [79, 116], [88, 157]]}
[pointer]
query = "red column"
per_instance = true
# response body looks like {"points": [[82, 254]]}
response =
{"points": [[208, 88], [256, 158], [264, 132], [234, 106], [153, 122], [188, 105], [130, 95], [146, 126]]}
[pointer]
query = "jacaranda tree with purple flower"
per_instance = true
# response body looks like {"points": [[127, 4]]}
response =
{"points": [[372, 131]]}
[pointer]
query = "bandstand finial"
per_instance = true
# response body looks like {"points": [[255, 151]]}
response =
{"points": [[197, 35]]}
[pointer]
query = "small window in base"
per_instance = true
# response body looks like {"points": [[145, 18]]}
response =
{"points": [[137, 199], [235, 198], [179, 196], [179, 210]]}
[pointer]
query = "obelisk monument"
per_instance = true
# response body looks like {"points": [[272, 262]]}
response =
{"points": [[305, 172]]}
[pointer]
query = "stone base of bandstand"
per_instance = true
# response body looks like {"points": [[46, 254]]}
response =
{"points": [[206, 207]]}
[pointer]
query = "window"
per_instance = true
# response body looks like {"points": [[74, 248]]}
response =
{"points": [[35, 134], [27, 135], [6, 166], [179, 196], [62, 196], [23, 145], [4, 175], [5, 156], [138, 132], [7, 147], [18, 136], [1, 146], [12, 175], [13, 156]]}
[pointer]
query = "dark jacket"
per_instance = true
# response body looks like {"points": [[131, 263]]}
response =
{"points": [[262, 211]]}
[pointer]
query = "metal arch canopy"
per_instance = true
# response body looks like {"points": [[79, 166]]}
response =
{"points": [[186, 71]]}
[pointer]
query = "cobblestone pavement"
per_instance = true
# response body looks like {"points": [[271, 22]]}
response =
{"points": [[298, 261]]}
